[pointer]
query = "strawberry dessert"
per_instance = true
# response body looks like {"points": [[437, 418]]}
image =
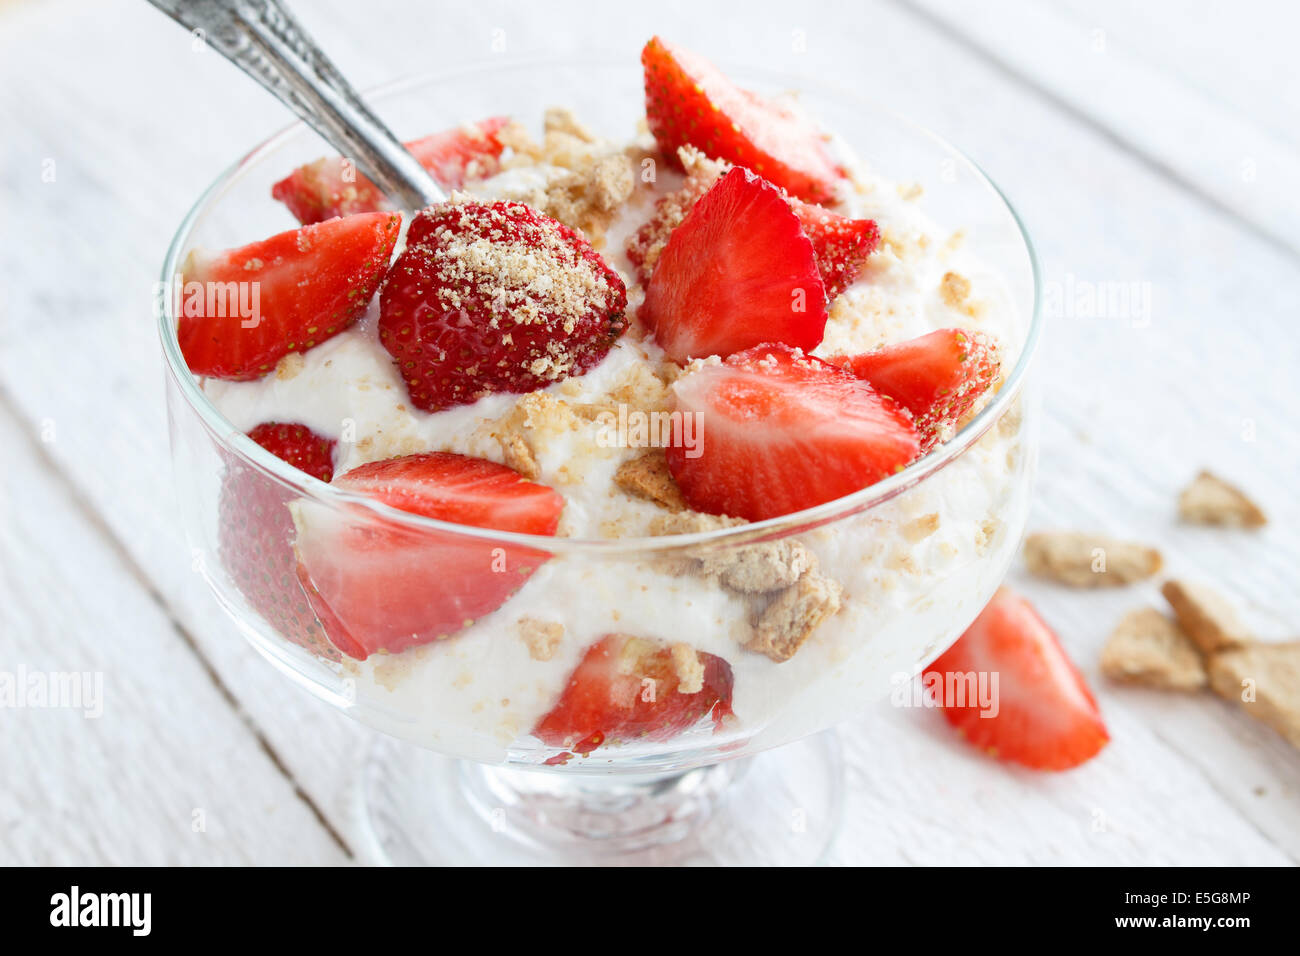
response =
{"points": [[728, 318]]}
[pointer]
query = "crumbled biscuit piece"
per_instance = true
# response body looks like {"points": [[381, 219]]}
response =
{"points": [[686, 561], [759, 568], [647, 477], [789, 620], [518, 455], [984, 534], [1211, 500], [1264, 679], [1149, 648], [689, 668], [542, 637], [1089, 560], [954, 289], [560, 119], [1209, 620], [587, 198], [515, 136], [918, 529], [289, 366]]}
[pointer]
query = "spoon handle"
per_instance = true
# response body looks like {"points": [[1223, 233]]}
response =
{"points": [[263, 39]]}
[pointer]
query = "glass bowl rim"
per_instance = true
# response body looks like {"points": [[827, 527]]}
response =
{"points": [[235, 442]]}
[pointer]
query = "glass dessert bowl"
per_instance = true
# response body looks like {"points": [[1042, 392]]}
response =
{"points": [[717, 639]]}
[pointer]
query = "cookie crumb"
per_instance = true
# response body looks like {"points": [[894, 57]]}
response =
{"points": [[648, 477], [1211, 500], [1089, 560], [289, 366], [542, 637], [518, 455], [954, 289], [759, 568], [918, 529], [689, 668], [790, 619], [1264, 680], [1207, 617], [561, 119], [1149, 648]]}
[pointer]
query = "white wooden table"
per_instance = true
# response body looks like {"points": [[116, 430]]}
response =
{"points": [[1158, 145]]}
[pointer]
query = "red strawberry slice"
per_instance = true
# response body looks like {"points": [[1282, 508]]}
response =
{"points": [[840, 245], [690, 101], [1045, 717], [737, 272], [255, 534], [778, 431], [331, 186], [378, 585], [495, 298], [242, 310], [937, 377], [629, 689], [299, 446]]}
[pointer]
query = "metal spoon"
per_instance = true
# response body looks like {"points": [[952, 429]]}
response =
{"points": [[263, 39]]}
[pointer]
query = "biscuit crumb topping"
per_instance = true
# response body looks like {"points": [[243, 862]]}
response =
{"points": [[790, 619], [1089, 560], [689, 669], [1211, 500], [647, 476], [954, 289], [541, 637]]}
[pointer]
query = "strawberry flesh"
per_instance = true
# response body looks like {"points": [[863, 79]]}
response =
{"points": [[331, 186], [841, 245], [303, 287], [736, 273], [938, 377], [378, 585], [496, 297], [690, 102], [255, 534], [1046, 718], [779, 431], [627, 689]]}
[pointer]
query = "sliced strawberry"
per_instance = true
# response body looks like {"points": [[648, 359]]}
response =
{"points": [[299, 446], [1042, 714], [840, 245], [630, 689], [737, 272], [331, 186], [690, 101], [937, 377], [495, 298], [779, 431], [244, 309], [378, 585], [255, 534]]}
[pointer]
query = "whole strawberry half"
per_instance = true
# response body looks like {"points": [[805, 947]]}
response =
{"points": [[495, 298], [841, 245], [736, 273], [1042, 715], [255, 534], [380, 585], [690, 102], [938, 377], [331, 186], [778, 431], [242, 310], [628, 689]]}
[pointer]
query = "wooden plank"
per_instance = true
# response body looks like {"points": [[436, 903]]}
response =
{"points": [[116, 746]]}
